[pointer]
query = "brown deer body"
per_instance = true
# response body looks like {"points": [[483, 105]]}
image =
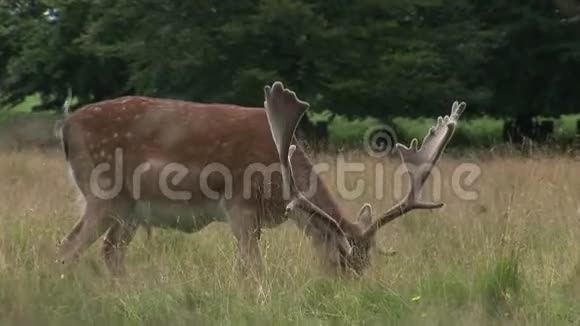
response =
{"points": [[183, 165], [233, 142]]}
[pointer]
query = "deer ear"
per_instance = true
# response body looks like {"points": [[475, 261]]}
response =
{"points": [[365, 214]]}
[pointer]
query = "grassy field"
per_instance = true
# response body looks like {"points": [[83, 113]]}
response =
{"points": [[510, 257]]}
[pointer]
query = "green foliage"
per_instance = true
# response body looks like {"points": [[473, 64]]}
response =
{"points": [[383, 59], [566, 129], [345, 132], [477, 132]]}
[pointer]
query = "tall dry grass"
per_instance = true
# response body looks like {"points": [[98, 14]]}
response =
{"points": [[509, 257]]}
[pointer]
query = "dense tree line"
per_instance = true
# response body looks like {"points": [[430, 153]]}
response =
{"points": [[371, 57]]}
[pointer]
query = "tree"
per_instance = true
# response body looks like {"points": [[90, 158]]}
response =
{"points": [[380, 58], [47, 57]]}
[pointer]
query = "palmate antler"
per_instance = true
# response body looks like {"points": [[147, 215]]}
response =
{"points": [[284, 111], [419, 163]]}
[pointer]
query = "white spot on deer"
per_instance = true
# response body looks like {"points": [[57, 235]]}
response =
{"points": [[97, 109], [102, 153], [171, 136], [137, 116], [104, 141], [128, 135], [115, 135]]}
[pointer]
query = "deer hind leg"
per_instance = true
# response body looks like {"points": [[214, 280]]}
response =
{"points": [[99, 215], [246, 230], [116, 242]]}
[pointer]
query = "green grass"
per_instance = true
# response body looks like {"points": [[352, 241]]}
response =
{"points": [[23, 107], [22, 111], [509, 258]]}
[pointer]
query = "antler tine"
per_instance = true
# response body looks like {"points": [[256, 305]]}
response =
{"points": [[419, 163], [284, 110]]}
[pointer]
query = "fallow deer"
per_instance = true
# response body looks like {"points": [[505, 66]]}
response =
{"points": [[142, 161]]}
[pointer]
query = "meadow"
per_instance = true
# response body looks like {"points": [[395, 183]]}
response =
{"points": [[509, 257]]}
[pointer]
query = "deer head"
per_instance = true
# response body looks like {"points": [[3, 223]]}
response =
{"points": [[355, 239]]}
